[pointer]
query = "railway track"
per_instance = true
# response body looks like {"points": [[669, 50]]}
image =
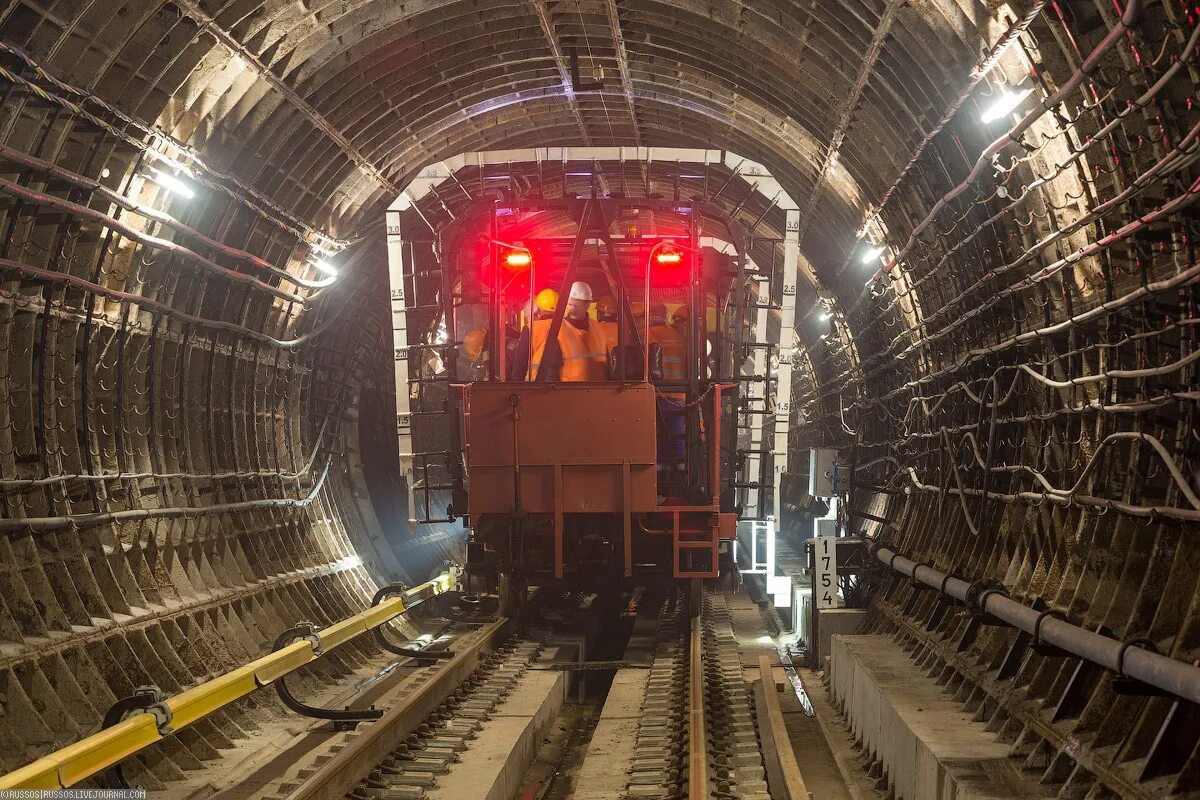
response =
{"points": [[697, 737], [696, 733], [414, 768]]}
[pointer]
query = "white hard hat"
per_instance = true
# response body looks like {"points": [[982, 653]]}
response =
{"points": [[580, 291]]}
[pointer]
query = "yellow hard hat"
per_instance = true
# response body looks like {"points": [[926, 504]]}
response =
{"points": [[546, 300], [473, 343]]}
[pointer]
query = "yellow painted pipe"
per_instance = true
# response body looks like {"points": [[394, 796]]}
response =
{"points": [[101, 750]]}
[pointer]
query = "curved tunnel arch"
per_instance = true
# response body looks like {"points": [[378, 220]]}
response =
{"points": [[964, 353]]}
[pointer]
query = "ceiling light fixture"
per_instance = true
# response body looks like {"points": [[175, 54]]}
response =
{"points": [[1003, 104], [171, 183], [325, 268], [872, 253]]}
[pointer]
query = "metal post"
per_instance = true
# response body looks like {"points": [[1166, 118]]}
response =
{"points": [[399, 268], [787, 343]]}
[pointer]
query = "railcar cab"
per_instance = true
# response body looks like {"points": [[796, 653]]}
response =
{"points": [[623, 477]]}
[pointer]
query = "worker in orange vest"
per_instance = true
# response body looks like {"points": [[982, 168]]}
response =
{"points": [[679, 320], [670, 342], [523, 367], [579, 353], [606, 318], [673, 360], [581, 339], [473, 364]]}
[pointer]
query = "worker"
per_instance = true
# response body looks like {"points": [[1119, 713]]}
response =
{"points": [[679, 321], [543, 312], [474, 363], [606, 317], [581, 339], [672, 343], [577, 355], [672, 405]]}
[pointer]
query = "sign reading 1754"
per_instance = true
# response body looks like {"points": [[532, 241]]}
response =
{"points": [[825, 572]]}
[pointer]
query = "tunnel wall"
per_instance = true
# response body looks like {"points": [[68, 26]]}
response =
{"points": [[1014, 388]]}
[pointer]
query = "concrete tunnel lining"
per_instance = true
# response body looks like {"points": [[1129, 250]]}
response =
{"points": [[1014, 378]]}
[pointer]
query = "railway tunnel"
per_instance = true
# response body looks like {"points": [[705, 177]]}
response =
{"points": [[971, 373]]}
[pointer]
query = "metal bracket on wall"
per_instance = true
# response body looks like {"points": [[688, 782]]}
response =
{"points": [[1123, 684], [577, 82], [343, 719], [147, 699], [425, 657]]}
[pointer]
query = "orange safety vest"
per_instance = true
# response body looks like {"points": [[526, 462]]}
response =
{"points": [[584, 356], [609, 329], [537, 335], [674, 351]]}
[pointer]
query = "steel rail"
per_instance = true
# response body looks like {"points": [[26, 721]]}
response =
{"points": [[108, 747], [338, 776], [697, 735], [1162, 671]]}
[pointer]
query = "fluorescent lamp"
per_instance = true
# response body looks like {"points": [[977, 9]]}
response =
{"points": [[871, 254], [168, 181], [1003, 104], [826, 315], [325, 268]]}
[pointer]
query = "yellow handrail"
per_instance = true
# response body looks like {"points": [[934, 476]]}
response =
{"points": [[101, 750]]}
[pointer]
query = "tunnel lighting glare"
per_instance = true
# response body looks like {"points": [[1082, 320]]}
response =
{"points": [[518, 259], [171, 183], [1003, 104], [871, 254], [765, 640], [325, 268], [349, 562], [826, 316]]}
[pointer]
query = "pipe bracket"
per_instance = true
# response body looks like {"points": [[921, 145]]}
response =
{"points": [[977, 597], [1126, 685]]}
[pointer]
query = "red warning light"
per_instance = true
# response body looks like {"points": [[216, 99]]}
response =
{"points": [[517, 260], [668, 256]]}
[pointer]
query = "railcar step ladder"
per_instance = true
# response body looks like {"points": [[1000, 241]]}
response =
{"points": [[694, 529]]}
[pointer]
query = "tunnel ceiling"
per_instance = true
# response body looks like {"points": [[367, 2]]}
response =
{"points": [[1013, 378]]}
